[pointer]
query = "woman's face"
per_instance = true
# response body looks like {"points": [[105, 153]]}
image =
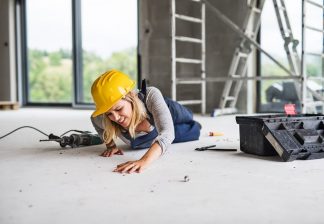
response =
{"points": [[121, 113]]}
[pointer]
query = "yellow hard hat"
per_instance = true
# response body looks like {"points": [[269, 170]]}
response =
{"points": [[108, 89]]}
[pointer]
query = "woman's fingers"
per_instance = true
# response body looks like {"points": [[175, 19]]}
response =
{"points": [[134, 168], [122, 164], [120, 152], [131, 166], [140, 169], [111, 152], [104, 153], [125, 167]]}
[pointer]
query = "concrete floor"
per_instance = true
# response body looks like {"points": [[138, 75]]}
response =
{"points": [[42, 183]]}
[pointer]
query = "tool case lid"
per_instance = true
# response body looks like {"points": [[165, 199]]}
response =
{"points": [[293, 136]]}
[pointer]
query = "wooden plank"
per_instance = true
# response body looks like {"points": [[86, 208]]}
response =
{"points": [[7, 105]]}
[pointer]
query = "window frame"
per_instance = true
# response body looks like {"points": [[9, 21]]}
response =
{"points": [[77, 64]]}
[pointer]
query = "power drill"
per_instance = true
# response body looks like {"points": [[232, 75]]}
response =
{"points": [[85, 138]]}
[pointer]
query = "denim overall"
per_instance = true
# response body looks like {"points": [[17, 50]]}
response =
{"points": [[185, 128]]}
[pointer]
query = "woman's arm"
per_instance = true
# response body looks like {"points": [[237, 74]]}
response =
{"points": [[139, 165], [162, 117]]}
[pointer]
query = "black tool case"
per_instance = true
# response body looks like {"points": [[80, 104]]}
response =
{"points": [[290, 137]]}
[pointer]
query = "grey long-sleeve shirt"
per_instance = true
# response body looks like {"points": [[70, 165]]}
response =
{"points": [[161, 116]]}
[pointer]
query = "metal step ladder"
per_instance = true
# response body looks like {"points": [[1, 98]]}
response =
{"points": [[290, 43], [290, 46], [238, 67], [315, 102], [201, 80]]}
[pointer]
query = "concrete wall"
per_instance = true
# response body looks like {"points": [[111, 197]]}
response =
{"points": [[7, 52], [220, 45]]}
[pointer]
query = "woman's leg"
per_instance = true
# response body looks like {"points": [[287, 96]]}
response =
{"points": [[179, 113], [186, 129], [186, 132]]}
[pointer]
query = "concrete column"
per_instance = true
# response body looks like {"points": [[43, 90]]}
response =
{"points": [[8, 89]]}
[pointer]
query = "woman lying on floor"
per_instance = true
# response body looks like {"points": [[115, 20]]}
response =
{"points": [[141, 119]]}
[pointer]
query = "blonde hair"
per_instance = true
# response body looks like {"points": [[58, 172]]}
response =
{"points": [[112, 129]]}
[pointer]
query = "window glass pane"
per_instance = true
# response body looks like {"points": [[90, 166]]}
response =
{"points": [[275, 93], [49, 51], [314, 42], [109, 39]]}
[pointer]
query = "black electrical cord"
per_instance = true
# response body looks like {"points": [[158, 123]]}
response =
{"points": [[21, 128], [39, 131], [74, 131]]}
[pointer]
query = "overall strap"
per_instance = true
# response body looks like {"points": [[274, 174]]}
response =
{"points": [[142, 96], [142, 92], [143, 87]]}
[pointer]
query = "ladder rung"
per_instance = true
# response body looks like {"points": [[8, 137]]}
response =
{"points": [[188, 102], [188, 81], [196, 0], [236, 76], [315, 103], [226, 110], [315, 29], [229, 98], [188, 60], [287, 33], [250, 33], [242, 55], [315, 78], [257, 10], [281, 8], [314, 54], [314, 3], [188, 39], [188, 18]]}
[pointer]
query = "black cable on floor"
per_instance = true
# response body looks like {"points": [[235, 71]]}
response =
{"points": [[21, 128], [40, 131], [74, 131]]}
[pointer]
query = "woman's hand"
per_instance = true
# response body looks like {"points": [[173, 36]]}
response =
{"points": [[132, 166], [139, 165], [112, 151]]}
